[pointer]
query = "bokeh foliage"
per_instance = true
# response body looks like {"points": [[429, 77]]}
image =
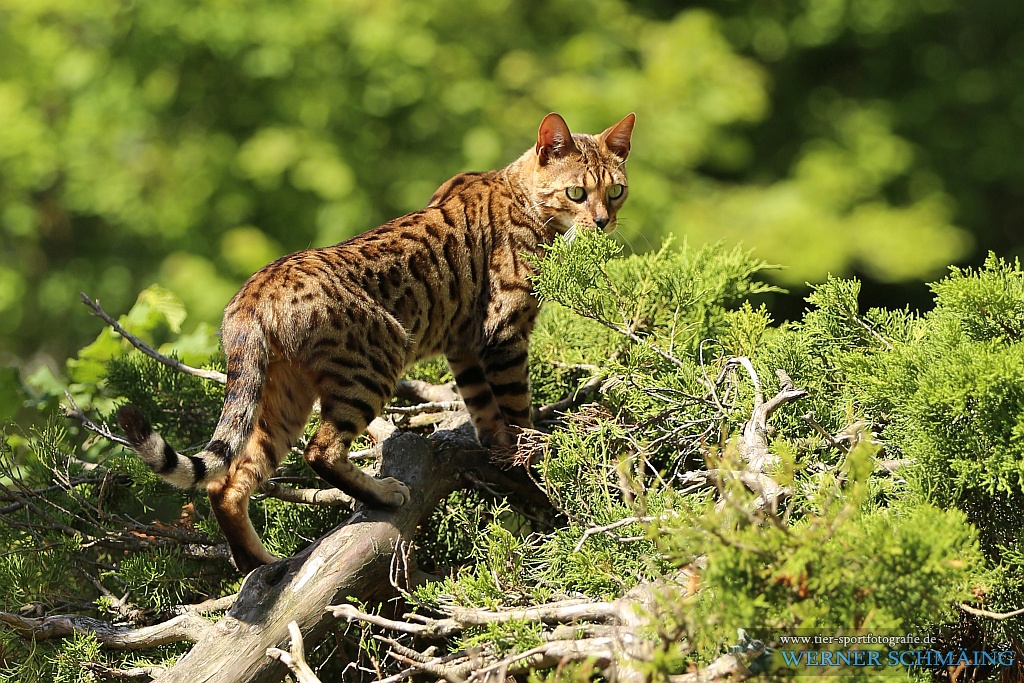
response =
{"points": [[190, 143]]}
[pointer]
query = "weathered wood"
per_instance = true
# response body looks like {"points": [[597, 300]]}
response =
{"points": [[352, 561]]}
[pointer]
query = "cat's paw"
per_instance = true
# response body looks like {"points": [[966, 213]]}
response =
{"points": [[497, 440], [392, 493]]}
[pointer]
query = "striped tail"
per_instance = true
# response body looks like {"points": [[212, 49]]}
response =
{"points": [[246, 374]]}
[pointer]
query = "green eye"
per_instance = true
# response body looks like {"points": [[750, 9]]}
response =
{"points": [[615, 191], [577, 194]]}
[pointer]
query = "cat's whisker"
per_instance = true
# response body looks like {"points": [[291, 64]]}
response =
{"points": [[621, 236], [636, 233]]}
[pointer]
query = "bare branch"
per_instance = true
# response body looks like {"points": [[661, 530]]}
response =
{"points": [[380, 430], [74, 412], [999, 616], [461, 618], [809, 419], [601, 651], [626, 521], [138, 673], [429, 407], [323, 497], [207, 606], [727, 667], [425, 392], [295, 659], [149, 350], [754, 443], [187, 627], [578, 397]]}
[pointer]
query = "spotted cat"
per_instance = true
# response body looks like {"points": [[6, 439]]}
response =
{"points": [[343, 323]]}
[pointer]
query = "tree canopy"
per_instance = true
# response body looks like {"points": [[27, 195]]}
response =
{"points": [[188, 144]]}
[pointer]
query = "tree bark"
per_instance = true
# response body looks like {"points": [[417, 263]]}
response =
{"points": [[354, 561]]}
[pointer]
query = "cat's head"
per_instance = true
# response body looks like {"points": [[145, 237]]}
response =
{"points": [[580, 179]]}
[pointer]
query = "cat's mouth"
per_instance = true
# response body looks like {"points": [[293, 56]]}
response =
{"points": [[574, 229]]}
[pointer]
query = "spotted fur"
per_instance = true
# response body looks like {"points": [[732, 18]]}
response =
{"points": [[343, 323]]}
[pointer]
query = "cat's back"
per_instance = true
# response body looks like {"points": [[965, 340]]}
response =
{"points": [[420, 267]]}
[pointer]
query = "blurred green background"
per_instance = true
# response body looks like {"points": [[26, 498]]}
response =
{"points": [[188, 143]]}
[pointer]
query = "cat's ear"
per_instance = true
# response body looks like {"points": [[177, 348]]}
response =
{"points": [[554, 139], [616, 138]]}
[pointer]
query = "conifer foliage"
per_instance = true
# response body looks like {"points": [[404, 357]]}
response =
{"points": [[709, 470]]}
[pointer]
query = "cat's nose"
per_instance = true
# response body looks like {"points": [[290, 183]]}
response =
{"points": [[601, 221]]}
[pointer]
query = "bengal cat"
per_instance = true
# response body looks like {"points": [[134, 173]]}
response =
{"points": [[343, 323]]}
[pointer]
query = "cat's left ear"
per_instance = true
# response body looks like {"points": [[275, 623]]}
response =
{"points": [[616, 138]]}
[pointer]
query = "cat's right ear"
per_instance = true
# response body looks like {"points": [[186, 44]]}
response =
{"points": [[553, 139]]}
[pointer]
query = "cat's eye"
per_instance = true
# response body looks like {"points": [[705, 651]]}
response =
{"points": [[615, 191], [576, 193]]}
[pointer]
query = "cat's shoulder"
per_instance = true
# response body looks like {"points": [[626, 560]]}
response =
{"points": [[463, 183]]}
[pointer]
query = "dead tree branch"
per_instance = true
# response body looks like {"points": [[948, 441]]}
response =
{"points": [[425, 392], [138, 673], [295, 658], [998, 616], [608, 634], [322, 497], [754, 444], [147, 349], [187, 627], [352, 561]]}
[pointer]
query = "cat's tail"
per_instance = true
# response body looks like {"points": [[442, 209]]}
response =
{"points": [[247, 369]]}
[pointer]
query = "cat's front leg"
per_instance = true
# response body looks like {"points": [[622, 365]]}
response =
{"points": [[506, 365], [484, 410]]}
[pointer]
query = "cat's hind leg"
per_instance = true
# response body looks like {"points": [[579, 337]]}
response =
{"points": [[283, 411], [327, 454]]}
